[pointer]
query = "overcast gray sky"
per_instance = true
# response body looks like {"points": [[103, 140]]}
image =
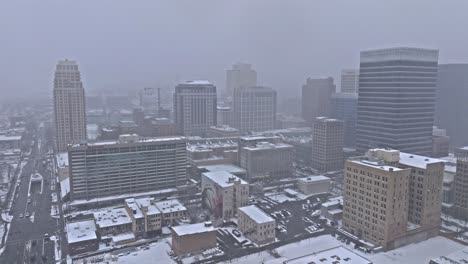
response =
{"points": [[130, 44]]}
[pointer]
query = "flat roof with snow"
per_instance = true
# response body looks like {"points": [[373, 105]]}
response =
{"points": [[9, 138], [112, 217], [268, 145], [139, 141], [417, 161], [319, 178], [169, 206], [256, 214], [184, 230], [336, 255], [223, 167], [223, 178], [81, 231], [457, 257], [374, 164]]}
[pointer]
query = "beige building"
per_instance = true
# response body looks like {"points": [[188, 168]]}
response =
{"points": [[146, 217], [172, 210], [256, 225], [223, 193], [193, 238], [313, 185], [421, 200], [242, 75], [327, 144], [375, 201], [69, 105]]}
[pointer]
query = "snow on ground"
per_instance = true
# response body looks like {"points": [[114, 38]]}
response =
{"points": [[419, 253], [58, 253], [54, 211], [157, 253], [279, 197]]}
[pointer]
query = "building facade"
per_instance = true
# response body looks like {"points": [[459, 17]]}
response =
{"points": [[69, 105], [193, 238], [130, 165], [344, 107], [195, 106], [256, 225], [396, 103], [242, 75], [327, 144], [349, 81], [254, 109], [451, 106], [265, 161], [313, 184], [316, 95], [461, 183], [223, 193], [375, 201]]}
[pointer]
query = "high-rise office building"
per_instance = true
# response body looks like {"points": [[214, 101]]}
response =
{"points": [[128, 166], [344, 107], [195, 106], [327, 144], [461, 183], [451, 106], [396, 103], [240, 76], [316, 95], [350, 81], [69, 105], [254, 109]]}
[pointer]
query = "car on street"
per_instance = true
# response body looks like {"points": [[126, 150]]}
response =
{"points": [[27, 215], [20, 215]]}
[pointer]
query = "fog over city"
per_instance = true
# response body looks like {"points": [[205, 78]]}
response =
{"points": [[125, 45], [233, 132]]}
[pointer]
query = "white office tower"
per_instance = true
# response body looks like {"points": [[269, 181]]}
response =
{"points": [[240, 76], [195, 106], [350, 81], [69, 105]]}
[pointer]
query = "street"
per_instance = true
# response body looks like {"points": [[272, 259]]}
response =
{"points": [[28, 240]]}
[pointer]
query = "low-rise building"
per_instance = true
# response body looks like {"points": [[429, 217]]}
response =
{"points": [[313, 184], [113, 221], [10, 142], [223, 193], [146, 217], [171, 210], [81, 237], [193, 238], [332, 210], [256, 225]]}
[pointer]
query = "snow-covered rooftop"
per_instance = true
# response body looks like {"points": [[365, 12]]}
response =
{"points": [[65, 187], [318, 178], [256, 214], [199, 82], [417, 161], [457, 257], [223, 167], [130, 202], [112, 217], [169, 206], [62, 159], [224, 128], [223, 178], [140, 140], [81, 231], [268, 145], [9, 138], [336, 255], [375, 164], [149, 203], [183, 230]]}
